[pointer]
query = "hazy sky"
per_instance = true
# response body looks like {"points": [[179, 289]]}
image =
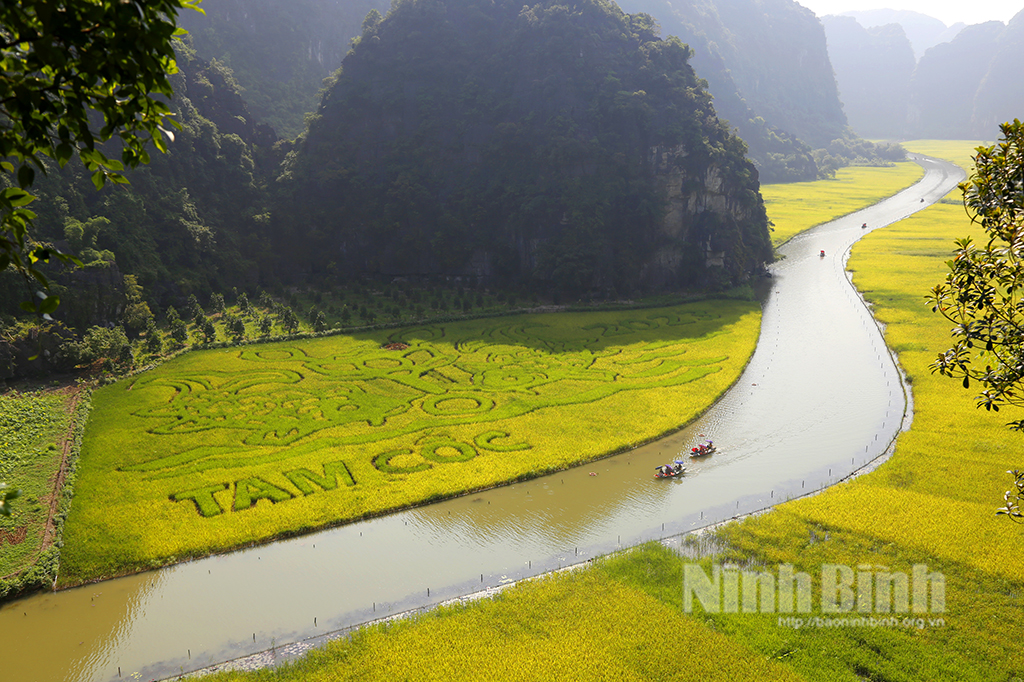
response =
{"points": [[947, 11]]}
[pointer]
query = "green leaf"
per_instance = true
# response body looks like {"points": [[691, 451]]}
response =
{"points": [[49, 305], [63, 153], [17, 197]]}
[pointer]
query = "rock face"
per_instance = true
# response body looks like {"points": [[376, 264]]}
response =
{"points": [[767, 65], [1000, 94], [946, 81], [557, 146], [874, 68], [703, 233], [959, 89], [921, 30]]}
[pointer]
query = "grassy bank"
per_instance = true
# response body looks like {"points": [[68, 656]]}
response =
{"points": [[799, 206], [221, 448], [933, 503], [39, 439]]}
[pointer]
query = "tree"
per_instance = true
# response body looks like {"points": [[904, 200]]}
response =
{"points": [[319, 321], [154, 339], [983, 294], [179, 332], [77, 74], [192, 307], [289, 320], [236, 328], [137, 315], [243, 303], [208, 331]]}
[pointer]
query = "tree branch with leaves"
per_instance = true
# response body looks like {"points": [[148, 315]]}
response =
{"points": [[983, 294], [75, 76]]}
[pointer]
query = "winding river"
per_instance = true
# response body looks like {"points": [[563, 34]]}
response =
{"points": [[820, 399]]}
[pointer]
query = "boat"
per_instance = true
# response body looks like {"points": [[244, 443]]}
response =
{"points": [[702, 450], [670, 470]]}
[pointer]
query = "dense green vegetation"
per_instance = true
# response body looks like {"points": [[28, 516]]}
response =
{"points": [[221, 448], [40, 434], [189, 222], [280, 51], [522, 146]]}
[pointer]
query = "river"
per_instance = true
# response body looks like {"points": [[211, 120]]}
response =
{"points": [[821, 398]]}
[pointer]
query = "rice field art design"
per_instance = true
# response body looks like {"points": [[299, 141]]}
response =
{"points": [[224, 447]]}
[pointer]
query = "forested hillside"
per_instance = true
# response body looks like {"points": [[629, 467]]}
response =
{"points": [[767, 66], [189, 222], [280, 51], [558, 145]]}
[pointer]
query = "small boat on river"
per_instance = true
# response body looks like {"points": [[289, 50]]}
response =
{"points": [[702, 450], [672, 470]]}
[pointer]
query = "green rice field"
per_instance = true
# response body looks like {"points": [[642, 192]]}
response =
{"points": [[221, 448]]}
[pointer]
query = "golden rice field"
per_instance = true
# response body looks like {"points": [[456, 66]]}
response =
{"points": [[960, 152], [220, 448], [798, 206], [579, 626]]}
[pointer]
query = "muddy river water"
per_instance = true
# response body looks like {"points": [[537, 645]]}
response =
{"points": [[820, 398]]}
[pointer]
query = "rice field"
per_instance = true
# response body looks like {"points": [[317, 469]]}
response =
{"points": [[576, 626], [798, 206], [221, 448], [932, 503]]}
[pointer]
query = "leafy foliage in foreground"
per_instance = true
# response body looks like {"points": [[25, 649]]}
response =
{"points": [[221, 448], [982, 293], [76, 75]]}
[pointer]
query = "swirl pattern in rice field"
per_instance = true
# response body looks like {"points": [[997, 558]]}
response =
{"points": [[245, 443]]}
